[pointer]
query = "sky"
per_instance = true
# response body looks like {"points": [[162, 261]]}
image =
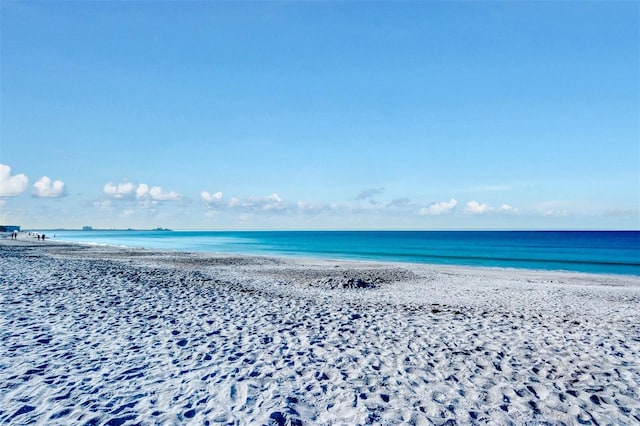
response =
{"points": [[320, 115]]}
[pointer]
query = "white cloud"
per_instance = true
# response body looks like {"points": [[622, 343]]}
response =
{"points": [[473, 207], [11, 186], [209, 198], [46, 188], [275, 198], [249, 205], [255, 205], [506, 208], [438, 208], [122, 190], [142, 191], [311, 208], [157, 194], [128, 190], [272, 202]]}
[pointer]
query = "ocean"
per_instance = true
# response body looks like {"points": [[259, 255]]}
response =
{"points": [[608, 252]]}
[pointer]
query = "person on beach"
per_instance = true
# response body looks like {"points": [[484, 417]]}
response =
{"points": [[42, 237]]}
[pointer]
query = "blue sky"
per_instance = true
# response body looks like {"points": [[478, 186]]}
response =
{"points": [[314, 115]]}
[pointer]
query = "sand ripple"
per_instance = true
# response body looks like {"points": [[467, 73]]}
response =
{"points": [[92, 337]]}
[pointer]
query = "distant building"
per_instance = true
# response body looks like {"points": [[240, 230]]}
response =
{"points": [[87, 228], [9, 228]]}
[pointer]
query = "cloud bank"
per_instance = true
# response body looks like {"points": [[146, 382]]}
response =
{"points": [[209, 198], [141, 192], [272, 202], [11, 185], [122, 190], [439, 208], [474, 207], [506, 208], [46, 188], [155, 193]]}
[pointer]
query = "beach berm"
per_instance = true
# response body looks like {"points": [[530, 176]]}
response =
{"points": [[103, 335]]}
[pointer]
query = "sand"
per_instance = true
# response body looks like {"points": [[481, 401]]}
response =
{"points": [[97, 335]]}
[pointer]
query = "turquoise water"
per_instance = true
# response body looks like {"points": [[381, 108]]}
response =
{"points": [[611, 252]]}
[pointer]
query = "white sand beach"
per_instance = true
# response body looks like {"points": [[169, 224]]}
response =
{"points": [[97, 335]]}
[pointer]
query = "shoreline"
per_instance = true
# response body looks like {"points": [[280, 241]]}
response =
{"points": [[303, 258], [114, 334], [607, 252]]}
